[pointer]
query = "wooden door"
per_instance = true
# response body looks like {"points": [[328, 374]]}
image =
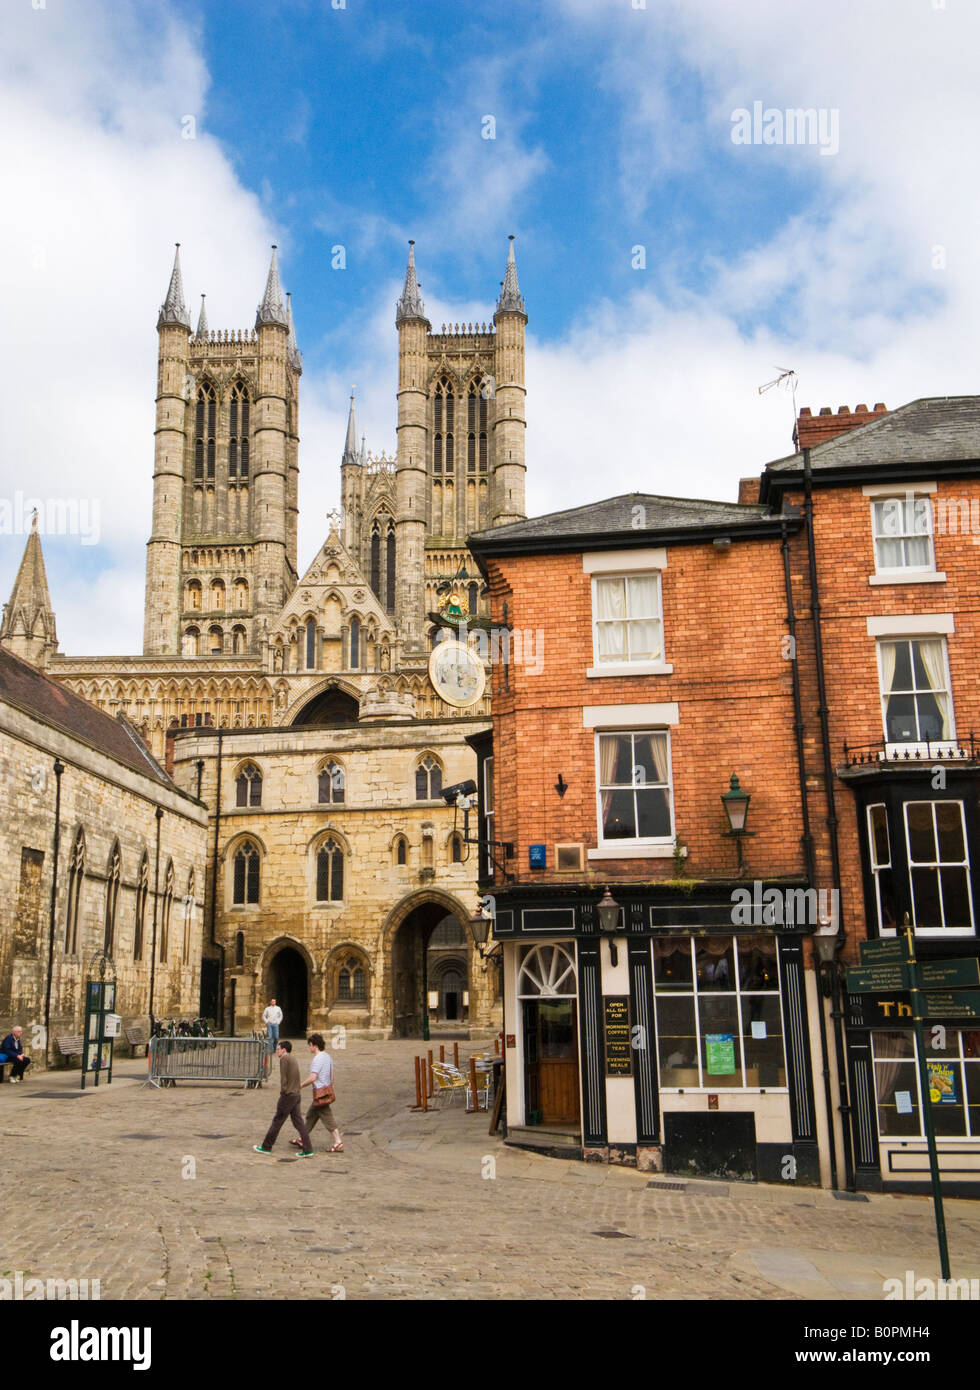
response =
{"points": [[551, 1061]]}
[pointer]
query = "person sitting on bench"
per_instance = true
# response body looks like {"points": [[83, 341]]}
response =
{"points": [[12, 1052]]}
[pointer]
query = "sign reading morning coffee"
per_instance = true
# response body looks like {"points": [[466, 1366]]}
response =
{"points": [[616, 1019]]}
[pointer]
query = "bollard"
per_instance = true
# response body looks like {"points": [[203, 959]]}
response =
{"points": [[496, 1044], [456, 1055], [442, 1052], [476, 1103], [425, 1089], [429, 1072], [418, 1085]]}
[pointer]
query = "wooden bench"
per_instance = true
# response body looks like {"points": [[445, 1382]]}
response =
{"points": [[136, 1038], [70, 1045]]}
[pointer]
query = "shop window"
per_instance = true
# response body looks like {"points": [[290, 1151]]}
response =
{"points": [[633, 779], [939, 866], [719, 1020], [953, 1070], [627, 619], [915, 698], [881, 867], [902, 530]]}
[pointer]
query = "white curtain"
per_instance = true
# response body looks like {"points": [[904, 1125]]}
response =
{"points": [[889, 524], [610, 619], [608, 757], [658, 756], [889, 653], [933, 660], [919, 526]]}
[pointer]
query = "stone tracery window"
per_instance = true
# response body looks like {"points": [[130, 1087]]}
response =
{"points": [[330, 872], [238, 432], [248, 786], [352, 981], [76, 875], [205, 430], [428, 780], [113, 874], [246, 874], [331, 784], [142, 893]]}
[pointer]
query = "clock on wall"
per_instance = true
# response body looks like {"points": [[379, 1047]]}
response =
{"points": [[457, 674]]}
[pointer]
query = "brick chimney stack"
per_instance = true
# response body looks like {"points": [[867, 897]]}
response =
{"points": [[817, 429]]}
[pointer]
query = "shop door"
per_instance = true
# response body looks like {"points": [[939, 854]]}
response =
{"points": [[551, 1061]]}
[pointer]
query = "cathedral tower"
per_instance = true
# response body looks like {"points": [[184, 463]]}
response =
{"points": [[221, 560]]}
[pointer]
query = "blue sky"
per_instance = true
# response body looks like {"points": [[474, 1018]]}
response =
{"points": [[313, 126]]}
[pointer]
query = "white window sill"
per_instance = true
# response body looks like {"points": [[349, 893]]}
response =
{"points": [[629, 849], [908, 577], [631, 668]]}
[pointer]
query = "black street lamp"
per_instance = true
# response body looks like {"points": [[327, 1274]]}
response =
{"points": [[608, 910]]}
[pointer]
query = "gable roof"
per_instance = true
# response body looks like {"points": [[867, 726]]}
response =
{"points": [[25, 687], [935, 429]]}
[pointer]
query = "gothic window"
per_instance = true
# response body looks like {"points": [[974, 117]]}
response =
{"points": [[241, 593], [246, 884], [310, 645], [76, 874], [191, 644], [204, 430], [331, 785], [428, 780], [456, 849], [474, 598], [193, 599], [471, 453], [217, 596], [238, 640], [390, 564], [166, 909], [330, 873], [248, 786], [189, 905], [240, 948], [113, 872], [376, 559], [216, 641], [483, 453], [401, 850], [238, 432], [142, 892], [352, 981], [355, 645], [443, 419]]}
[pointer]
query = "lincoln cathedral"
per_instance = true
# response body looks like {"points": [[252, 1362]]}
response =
{"points": [[295, 703]]}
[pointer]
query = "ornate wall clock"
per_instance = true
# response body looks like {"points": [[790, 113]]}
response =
{"points": [[457, 674]]}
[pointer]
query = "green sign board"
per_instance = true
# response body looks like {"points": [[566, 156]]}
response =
{"points": [[888, 951], [950, 974], [963, 1005], [873, 978], [720, 1049]]}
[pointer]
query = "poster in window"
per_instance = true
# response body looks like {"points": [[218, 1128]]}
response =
{"points": [[720, 1048], [942, 1084]]}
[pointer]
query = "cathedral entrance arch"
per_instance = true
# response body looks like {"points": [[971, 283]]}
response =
{"points": [[286, 978], [330, 706], [407, 935]]}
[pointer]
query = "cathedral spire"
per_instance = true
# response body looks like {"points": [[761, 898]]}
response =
{"points": [[511, 300], [350, 444], [173, 308], [295, 356], [202, 322], [272, 309], [410, 305], [28, 627]]}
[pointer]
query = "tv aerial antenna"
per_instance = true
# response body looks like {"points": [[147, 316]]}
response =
{"points": [[787, 380]]}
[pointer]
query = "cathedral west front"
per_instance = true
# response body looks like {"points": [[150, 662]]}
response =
{"points": [[295, 702]]}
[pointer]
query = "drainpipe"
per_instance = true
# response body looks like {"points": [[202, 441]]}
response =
{"points": [[807, 841], [200, 774], [59, 768], [832, 821], [156, 895], [214, 889]]}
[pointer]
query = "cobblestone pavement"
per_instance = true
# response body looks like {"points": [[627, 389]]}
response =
{"points": [[417, 1206]]}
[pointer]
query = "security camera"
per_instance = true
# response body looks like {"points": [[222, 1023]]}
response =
{"points": [[458, 793]]}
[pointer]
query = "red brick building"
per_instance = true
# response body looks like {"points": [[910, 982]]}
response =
{"points": [[656, 647]]}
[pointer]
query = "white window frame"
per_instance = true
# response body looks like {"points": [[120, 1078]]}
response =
{"points": [[643, 563], [961, 1061], [964, 863], [659, 847], [903, 574], [875, 866], [915, 745]]}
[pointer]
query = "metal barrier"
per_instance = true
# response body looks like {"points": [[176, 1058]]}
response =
{"points": [[208, 1059]]}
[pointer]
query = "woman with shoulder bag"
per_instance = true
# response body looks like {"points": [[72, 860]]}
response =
{"points": [[321, 1079]]}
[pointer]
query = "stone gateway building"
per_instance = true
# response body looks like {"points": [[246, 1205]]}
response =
{"points": [[297, 703]]}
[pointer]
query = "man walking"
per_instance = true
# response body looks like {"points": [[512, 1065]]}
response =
{"points": [[321, 1075], [272, 1017], [11, 1051], [289, 1106]]}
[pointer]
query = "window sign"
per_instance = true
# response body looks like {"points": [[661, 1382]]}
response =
{"points": [[720, 1048], [903, 1102], [942, 1084]]}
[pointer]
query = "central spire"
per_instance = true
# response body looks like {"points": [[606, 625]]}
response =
{"points": [[272, 309], [410, 305], [511, 300], [173, 309], [202, 322]]}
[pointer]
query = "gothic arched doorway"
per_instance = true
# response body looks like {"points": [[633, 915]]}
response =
{"points": [[409, 972], [331, 706], [289, 984]]}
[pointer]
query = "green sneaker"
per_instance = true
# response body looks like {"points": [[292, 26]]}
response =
{"points": [[305, 1153], [257, 1148]]}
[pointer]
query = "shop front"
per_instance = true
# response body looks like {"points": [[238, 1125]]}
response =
{"points": [[677, 1044]]}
